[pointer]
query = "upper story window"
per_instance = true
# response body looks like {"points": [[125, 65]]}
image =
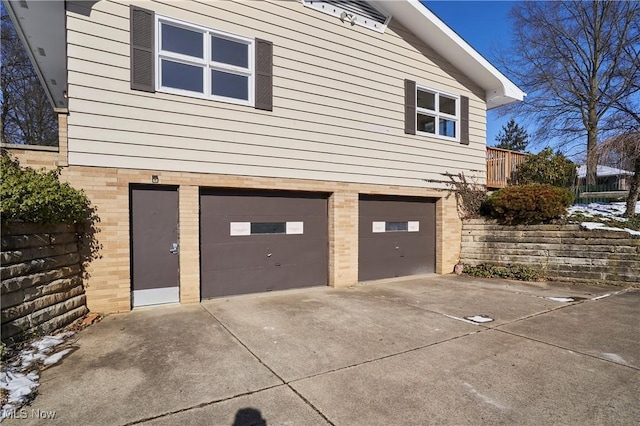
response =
{"points": [[433, 113], [202, 62], [172, 56], [437, 113]]}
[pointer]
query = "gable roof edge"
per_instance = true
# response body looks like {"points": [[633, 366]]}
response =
{"points": [[433, 31]]}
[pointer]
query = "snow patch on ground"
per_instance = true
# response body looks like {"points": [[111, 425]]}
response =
{"points": [[610, 212], [20, 377], [561, 299], [615, 358], [55, 358], [601, 297], [601, 209], [479, 318], [604, 227]]}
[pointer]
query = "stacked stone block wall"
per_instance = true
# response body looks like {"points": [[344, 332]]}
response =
{"points": [[42, 287], [561, 252]]}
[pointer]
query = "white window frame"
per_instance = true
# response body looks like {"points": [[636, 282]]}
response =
{"points": [[205, 63], [437, 114]]}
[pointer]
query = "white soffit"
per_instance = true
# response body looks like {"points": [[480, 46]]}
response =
{"points": [[41, 28], [430, 29]]}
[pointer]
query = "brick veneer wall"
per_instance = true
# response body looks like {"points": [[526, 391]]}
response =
{"points": [[109, 285], [42, 287], [563, 252], [108, 288]]}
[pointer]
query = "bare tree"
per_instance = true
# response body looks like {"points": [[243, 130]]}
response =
{"points": [[623, 151], [26, 115], [574, 58], [626, 120]]}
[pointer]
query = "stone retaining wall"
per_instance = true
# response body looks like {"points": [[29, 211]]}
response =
{"points": [[562, 252], [42, 288]]}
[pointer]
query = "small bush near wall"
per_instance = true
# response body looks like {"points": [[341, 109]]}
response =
{"points": [[35, 196], [514, 272], [529, 204]]}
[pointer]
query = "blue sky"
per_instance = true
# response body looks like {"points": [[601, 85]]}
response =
{"points": [[484, 25]]}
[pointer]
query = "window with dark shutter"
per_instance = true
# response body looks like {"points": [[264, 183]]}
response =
{"points": [[429, 112], [264, 75], [142, 49], [464, 120], [410, 107]]}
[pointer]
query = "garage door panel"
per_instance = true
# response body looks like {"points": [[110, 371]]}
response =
{"points": [[238, 257], [247, 281], [396, 236], [247, 254]]}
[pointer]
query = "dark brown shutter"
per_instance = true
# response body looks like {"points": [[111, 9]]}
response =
{"points": [[410, 107], [464, 120], [141, 27], [264, 75]]}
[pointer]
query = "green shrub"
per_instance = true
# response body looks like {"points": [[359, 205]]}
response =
{"points": [[514, 272], [35, 196], [529, 204], [546, 167]]}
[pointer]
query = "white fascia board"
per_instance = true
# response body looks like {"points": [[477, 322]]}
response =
{"points": [[434, 32], [41, 25]]}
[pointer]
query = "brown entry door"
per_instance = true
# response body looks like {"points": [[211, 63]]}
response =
{"points": [[396, 237], [154, 241], [254, 242]]}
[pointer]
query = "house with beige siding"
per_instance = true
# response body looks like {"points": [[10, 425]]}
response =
{"points": [[236, 147]]}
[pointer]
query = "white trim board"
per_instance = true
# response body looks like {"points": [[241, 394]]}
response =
{"points": [[156, 296]]}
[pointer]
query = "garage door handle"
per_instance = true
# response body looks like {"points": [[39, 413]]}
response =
{"points": [[174, 249]]}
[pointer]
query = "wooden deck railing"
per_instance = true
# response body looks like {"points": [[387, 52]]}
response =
{"points": [[501, 165]]}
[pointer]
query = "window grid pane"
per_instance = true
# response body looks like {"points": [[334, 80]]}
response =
{"points": [[396, 226], [229, 52], [426, 100], [229, 85], [426, 123], [268, 228], [447, 105], [182, 41], [182, 76], [447, 128]]}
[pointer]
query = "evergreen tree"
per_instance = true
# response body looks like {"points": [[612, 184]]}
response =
{"points": [[512, 137]]}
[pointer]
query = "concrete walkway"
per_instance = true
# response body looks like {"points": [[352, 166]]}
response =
{"points": [[387, 353]]}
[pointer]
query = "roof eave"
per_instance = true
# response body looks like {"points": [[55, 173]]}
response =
{"points": [[41, 29], [447, 43]]}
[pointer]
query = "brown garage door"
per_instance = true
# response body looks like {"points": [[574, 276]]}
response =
{"points": [[261, 241], [396, 237]]}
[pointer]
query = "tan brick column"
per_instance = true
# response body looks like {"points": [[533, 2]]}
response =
{"points": [[63, 139], [343, 239], [189, 235], [449, 235]]}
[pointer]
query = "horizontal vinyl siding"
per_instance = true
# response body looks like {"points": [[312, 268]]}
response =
{"points": [[338, 101]]}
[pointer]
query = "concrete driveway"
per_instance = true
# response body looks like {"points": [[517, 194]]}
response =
{"points": [[387, 353]]}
